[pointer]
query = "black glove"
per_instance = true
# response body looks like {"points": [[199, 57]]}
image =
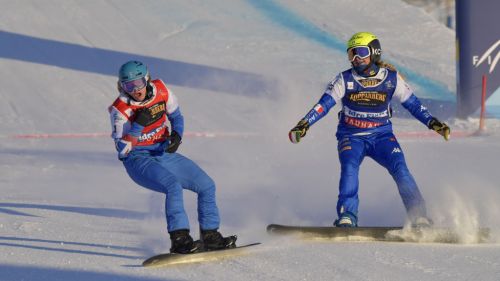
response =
{"points": [[440, 127], [299, 131], [175, 140]]}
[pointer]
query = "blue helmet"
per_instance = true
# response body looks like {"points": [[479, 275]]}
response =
{"points": [[133, 70]]}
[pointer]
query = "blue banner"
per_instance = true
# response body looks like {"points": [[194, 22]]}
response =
{"points": [[478, 52]]}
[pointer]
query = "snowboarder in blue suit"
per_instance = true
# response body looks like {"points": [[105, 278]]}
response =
{"points": [[140, 118], [365, 92]]}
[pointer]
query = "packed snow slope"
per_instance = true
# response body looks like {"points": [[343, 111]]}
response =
{"points": [[244, 72]]}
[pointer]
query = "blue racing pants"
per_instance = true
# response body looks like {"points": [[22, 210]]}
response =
{"points": [[385, 150], [170, 173]]}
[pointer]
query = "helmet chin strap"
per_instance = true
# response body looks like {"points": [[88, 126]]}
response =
{"points": [[149, 92]]}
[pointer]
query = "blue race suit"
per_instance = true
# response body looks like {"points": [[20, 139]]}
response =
{"points": [[365, 129], [170, 173], [150, 166]]}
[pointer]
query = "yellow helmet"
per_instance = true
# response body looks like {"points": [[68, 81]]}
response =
{"points": [[369, 40]]}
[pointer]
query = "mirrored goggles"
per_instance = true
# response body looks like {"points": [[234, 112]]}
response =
{"points": [[362, 52], [134, 85]]}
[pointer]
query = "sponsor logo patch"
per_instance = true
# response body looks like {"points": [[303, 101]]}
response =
{"points": [[329, 88], [368, 98], [332, 84], [153, 135], [157, 108], [396, 150], [360, 114], [487, 57], [358, 123], [370, 82]]}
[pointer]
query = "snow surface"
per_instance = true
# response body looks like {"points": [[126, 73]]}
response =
{"points": [[244, 73]]}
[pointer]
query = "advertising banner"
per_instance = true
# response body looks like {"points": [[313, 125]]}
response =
{"points": [[478, 52]]}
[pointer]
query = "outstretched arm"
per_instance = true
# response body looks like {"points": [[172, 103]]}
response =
{"points": [[320, 110], [333, 93], [415, 107], [314, 115]]}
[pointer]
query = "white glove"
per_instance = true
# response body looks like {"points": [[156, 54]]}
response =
{"points": [[125, 145]]}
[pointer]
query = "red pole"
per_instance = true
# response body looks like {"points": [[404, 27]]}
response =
{"points": [[483, 105]]}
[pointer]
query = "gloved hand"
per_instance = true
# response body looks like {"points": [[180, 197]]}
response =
{"points": [[299, 131], [175, 140], [440, 127], [125, 145]]}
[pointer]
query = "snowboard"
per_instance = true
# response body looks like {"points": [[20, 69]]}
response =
{"points": [[173, 259], [375, 233]]}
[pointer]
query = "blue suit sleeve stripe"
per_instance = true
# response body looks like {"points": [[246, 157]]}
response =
{"points": [[177, 121], [325, 103], [415, 107]]}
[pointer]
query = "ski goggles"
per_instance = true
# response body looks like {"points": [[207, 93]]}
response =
{"points": [[134, 85], [361, 52]]}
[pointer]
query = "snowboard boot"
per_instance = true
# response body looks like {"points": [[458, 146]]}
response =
{"points": [[346, 219], [213, 240], [182, 242]]}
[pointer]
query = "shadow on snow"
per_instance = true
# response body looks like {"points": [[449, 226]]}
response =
{"points": [[59, 242], [102, 212], [72, 251], [15, 272], [101, 61]]}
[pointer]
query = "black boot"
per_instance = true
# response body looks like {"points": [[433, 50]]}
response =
{"points": [[213, 240], [182, 242]]}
